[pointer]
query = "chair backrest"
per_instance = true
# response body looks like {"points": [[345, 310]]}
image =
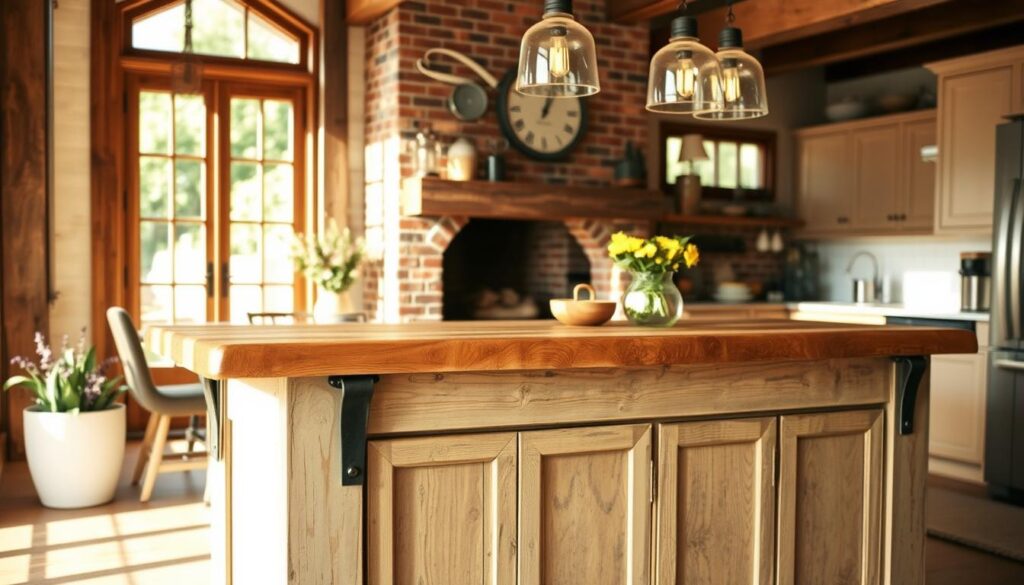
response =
{"points": [[133, 360], [278, 318]]}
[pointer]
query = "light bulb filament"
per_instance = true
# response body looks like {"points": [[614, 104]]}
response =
{"points": [[731, 83], [686, 78], [558, 57]]}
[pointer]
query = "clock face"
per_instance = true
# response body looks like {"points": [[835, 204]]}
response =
{"points": [[541, 128]]}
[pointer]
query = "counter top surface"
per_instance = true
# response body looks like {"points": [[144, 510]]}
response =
{"points": [[244, 351], [835, 307]]}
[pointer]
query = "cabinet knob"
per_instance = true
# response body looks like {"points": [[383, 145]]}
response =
{"points": [[903, 217]]}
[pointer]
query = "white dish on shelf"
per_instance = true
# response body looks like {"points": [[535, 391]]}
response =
{"points": [[730, 299]]}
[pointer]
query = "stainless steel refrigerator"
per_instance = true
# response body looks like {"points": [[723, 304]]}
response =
{"points": [[1004, 441]]}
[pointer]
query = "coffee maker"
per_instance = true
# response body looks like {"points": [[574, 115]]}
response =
{"points": [[975, 281]]}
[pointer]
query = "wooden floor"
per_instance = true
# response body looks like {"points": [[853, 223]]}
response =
{"points": [[124, 542], [165, 541]]}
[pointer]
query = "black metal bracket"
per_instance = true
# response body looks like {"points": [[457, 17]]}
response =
{"points": [[909, 371], [356, 393], [212, 393]]}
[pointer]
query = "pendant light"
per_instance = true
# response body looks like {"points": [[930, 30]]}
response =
{"points": [[684, 76], [743, 92], [187, 74], [558, 58]]}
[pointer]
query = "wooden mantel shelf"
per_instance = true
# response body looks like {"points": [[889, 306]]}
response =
{"points": [[434, 197], [734, 221]]}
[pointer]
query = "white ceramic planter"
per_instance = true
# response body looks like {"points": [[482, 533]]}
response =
{"points": [[75, 459]]}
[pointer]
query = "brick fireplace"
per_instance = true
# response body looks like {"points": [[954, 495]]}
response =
{"points": [[404, 278]]}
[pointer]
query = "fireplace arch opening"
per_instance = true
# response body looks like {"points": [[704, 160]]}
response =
{"points": [[510, 269]]}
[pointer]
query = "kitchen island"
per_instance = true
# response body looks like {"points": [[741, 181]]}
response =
{"points": [[501, 453]]}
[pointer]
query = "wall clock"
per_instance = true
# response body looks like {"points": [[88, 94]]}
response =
{"points": [[541, 128]]}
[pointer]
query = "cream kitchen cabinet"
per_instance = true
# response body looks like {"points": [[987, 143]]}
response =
{"points": [[975, 93], [959, 386], [867, 177]]}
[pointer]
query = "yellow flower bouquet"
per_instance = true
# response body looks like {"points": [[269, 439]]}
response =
{"points": [[652, 298]]}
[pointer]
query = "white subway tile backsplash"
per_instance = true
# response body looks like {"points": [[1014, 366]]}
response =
{"points": [[897, 258]]}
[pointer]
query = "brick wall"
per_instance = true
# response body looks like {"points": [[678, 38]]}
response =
{"points": [[403, 278]]}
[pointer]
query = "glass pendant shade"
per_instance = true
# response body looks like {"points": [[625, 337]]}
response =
{"points": [[558, 57], [743, 94], [685, 75]]}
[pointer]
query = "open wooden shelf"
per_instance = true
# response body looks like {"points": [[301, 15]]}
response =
{"points": [[429, 196], [733, 221]]}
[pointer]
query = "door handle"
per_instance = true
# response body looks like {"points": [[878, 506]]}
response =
{"points": [[1010, 365], [1015, 241]]}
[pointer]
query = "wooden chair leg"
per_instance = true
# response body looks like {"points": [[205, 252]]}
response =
{"points": [[156, 456], [147, 445]]}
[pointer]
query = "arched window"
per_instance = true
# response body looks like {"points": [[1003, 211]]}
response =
{"points": [[218, 172]]}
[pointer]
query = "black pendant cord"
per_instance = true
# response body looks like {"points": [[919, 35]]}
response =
{"points": [[730, 17]]}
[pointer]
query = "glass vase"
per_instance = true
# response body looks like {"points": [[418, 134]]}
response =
{"points": [[652, 299]]}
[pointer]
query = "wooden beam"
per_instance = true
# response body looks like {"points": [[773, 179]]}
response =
{"points": [[507, 200], [24, 190], [633, 11], [334, 110], [924, 26], [770, 22], [360, 12]]}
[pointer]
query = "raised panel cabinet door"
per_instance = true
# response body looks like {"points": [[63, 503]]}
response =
{"points": [[877, 163], [958, 404], [830, 483], [971, 105], [585, 506], [715, 510], [442, 510], [825, 182], [919, 183]]}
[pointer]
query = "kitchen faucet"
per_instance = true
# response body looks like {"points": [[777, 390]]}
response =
{"points": [[864, 290]]}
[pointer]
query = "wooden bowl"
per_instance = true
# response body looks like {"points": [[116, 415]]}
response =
{"points": [[588, 313]]}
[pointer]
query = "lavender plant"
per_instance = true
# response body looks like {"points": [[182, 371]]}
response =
{"points": [[68, 381]]}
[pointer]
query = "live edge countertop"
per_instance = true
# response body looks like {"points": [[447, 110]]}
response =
{"points": [[220, 351]]}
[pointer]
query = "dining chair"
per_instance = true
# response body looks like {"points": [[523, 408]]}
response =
{"points": [[163, 403], [292, 318], [273, 318]]}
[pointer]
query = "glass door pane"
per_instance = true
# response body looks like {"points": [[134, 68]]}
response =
{"points": [[263, 192], [171, 187]]}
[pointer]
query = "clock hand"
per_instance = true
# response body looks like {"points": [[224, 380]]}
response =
{"points": [[547, 107]]}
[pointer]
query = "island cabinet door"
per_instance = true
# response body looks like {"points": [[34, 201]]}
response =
{"points": [[830, 485], [442, 510], [715, 511], [585, 506]]}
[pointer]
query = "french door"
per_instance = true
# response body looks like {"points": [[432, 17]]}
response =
{"points": [[217, 190]]}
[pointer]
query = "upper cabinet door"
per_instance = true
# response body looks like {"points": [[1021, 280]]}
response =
{"points": [[716, 502], [830, 484], [971, 105], [826, 182], [442, 510], [585, 506], [877, 163], [919, 176]]}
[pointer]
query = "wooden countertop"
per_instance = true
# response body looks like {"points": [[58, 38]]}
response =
{"points": [[244, 351]]}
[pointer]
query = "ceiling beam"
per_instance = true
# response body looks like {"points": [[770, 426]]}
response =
{"points": [[935, 23], [360, 12], [770, 22], [634, 11]]}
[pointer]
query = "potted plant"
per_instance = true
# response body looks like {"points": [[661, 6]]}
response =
{"points": [[652, 297], [75, 431], [331, 261]]}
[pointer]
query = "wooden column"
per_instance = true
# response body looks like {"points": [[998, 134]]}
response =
{"points": [[24, 233], [334, 110]]}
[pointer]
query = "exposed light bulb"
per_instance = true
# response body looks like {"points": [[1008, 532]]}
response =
{"points": [[731, 80], [686, 75], [558, 57]]}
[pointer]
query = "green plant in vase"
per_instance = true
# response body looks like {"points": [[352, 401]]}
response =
{"points": [[652, 297]]}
